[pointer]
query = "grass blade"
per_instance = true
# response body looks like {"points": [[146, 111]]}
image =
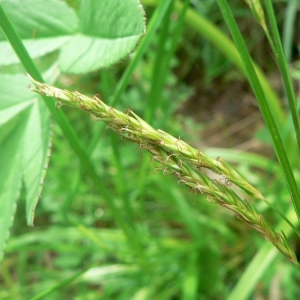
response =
{"points": [[264, 106], [280, 58]]}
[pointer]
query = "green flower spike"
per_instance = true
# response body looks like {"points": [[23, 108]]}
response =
{"points": [[178, 159]]}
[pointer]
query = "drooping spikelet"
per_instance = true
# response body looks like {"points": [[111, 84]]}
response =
{"points": [[178, 159]]}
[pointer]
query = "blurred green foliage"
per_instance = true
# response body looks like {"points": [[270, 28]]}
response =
{"points": [[187, 247]]}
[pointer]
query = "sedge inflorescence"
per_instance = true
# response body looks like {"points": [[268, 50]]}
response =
{"points": [[179, 159]]}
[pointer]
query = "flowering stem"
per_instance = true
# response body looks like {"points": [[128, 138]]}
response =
{"points": [[177, 158]]}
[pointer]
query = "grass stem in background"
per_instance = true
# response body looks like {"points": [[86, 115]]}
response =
{"points": [[282, 63], [289, 28], [213, 34], [264, 106]]}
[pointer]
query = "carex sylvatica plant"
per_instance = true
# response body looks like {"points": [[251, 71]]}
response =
{"points": [[179, 159], [89, 35]]}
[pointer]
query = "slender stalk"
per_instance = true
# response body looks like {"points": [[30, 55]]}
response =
{"points": [[63, 283], [160, 68], [31, 68], [158, 78], [276, 46], [289, 28], [178, 159], [213, 34], [281, 60], [263, 105], [151, 29]]}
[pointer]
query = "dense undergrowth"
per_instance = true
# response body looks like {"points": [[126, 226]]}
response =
{"points": [[110, 223]]}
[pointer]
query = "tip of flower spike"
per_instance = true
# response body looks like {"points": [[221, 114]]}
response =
{"points": [[40, 88], [30, 77], [36, 86]]}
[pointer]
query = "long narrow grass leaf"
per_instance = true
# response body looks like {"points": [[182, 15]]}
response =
{"points": [[151, 29], [264, 106], [289, 28], [213, 34], [281, 60]]}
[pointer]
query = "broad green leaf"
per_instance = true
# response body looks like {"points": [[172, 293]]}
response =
{"points": [[106, 31], [35, 19], [36, 48], [10, 182], [109, 31], [85, 54], [43, 25], [8, 113], [24, 147], [35, 155]]}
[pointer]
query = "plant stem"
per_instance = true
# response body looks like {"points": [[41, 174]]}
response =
{"points": [[263, 105], [280, 58], [213, 34]]}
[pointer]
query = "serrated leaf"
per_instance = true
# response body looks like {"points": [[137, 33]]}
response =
{"points": [[40, 18], [46, 27], [90, 54], [10, 183], [36, 48], [107, 32], [110, 30], [35, 155], [24, 146], [8, 113]]}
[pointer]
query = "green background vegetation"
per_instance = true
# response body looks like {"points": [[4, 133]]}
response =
{"points": [[109, 224]]}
